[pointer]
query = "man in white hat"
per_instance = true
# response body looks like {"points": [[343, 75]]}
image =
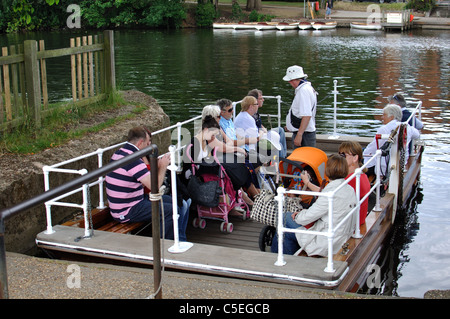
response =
{"points": [[301, 116]]}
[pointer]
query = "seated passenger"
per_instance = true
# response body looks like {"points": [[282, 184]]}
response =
{"points": [[125, 188], [280, 130], [221, 140], [414, 122], [400, 101], [344, 202], [352, 152], [228, 127], [392, 118], [245, 123]]}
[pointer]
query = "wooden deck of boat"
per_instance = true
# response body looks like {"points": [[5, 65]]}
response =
{"points": [[203, 258], [245, 234]]}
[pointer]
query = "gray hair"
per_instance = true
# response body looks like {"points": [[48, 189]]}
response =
{"points": [[211, 110], [393, 110]]}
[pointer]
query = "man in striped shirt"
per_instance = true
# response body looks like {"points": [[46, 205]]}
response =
{"points": [[125, 187]]}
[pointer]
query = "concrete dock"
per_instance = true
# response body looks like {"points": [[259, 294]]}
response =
{"points": [[42, 278]]}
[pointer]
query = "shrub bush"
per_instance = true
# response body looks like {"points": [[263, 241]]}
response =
{"points": [[205, 14]]}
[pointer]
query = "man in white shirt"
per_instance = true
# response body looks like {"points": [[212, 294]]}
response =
{"points": [[301, 117], [392, 118]]}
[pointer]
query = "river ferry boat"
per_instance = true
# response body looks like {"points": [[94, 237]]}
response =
{"points": [[238, 253]]}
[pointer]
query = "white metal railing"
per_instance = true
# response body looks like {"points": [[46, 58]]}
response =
{"points": [[330, 195], [85, 189], [413, 117]]}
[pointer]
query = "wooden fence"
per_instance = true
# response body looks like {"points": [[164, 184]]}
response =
{"points": [[23, 76]]}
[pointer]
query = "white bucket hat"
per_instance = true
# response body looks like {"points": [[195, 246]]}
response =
{"points": [[272, 137], [294, 72]]}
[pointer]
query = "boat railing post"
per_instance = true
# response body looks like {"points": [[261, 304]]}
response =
{"points": [[330, 235], [48, 214], [378, 180], [177, 247], [86, 206], [280, 228], [358, 172], [179, 125], [335, 93], [419, 106], [101, 197], [279, 110], [48, 207]]}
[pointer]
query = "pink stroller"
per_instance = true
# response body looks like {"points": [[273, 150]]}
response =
{"points": [[228, 199]]}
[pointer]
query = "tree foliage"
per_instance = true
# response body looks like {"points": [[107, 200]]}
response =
{"points": [[53, 14]]}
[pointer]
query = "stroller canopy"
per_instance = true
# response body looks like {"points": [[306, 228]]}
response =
{"points": [[305, 156]]}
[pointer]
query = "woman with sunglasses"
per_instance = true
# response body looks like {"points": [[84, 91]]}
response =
{"points": [[227, 124]]}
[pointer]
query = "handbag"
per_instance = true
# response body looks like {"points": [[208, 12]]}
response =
{"points": [[204, 193], [265, 207]]}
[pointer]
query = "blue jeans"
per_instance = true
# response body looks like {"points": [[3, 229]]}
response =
{"points": [[290, 243], [283, 151], [142, 212]]}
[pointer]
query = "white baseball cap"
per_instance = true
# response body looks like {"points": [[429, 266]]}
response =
{"points": [[294, 72]]}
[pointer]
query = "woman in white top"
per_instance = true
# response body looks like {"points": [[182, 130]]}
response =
{"points": [[245, 123]]}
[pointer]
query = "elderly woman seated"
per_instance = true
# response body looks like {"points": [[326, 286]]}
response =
{"points": [[392, 118]]}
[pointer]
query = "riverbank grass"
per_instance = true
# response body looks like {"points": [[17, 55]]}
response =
{"points": [[67, 121]]}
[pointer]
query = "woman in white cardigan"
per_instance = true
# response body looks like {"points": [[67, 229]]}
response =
{"points": [[344, 201]]}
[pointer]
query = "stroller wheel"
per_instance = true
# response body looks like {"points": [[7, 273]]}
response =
{"points": [[226, 227], [266, 237], [199, 222]]}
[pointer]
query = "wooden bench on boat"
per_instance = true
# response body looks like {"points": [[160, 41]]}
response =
{"points": [[102, 220]]}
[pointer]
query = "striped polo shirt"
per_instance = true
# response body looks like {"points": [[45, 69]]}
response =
{"points": [[123, 186]]}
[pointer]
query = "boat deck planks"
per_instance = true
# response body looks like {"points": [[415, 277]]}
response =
{"points": [[202, 258], [245, 234]]}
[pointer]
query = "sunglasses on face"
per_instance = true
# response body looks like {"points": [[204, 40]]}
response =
{"points": [[345, 155], [229, 111]]}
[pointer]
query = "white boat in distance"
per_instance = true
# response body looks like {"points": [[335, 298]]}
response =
{"points": [[318, 25], [365, 26], [304, 25], [246, 25], [287, 26]]}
